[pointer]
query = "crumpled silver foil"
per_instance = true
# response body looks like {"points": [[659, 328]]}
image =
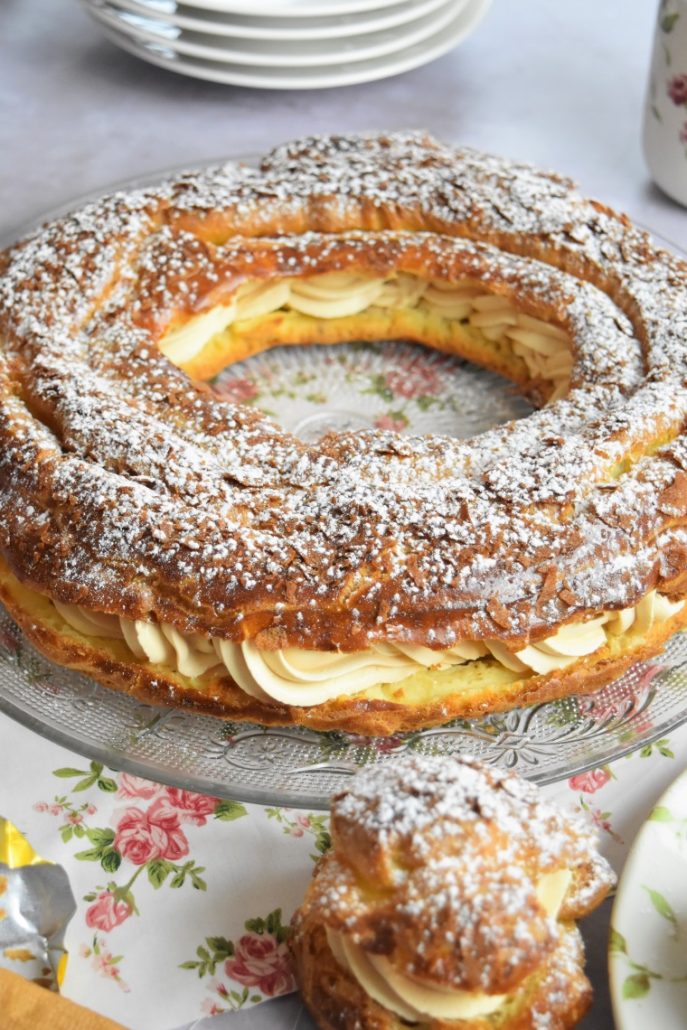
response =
{"points": [[36, 904]]}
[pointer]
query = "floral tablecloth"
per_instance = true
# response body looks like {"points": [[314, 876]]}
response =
{"points": [[183, 899]]}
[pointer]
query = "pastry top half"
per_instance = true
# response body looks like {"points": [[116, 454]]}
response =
{"points": [[129, 491], [450, 893]]}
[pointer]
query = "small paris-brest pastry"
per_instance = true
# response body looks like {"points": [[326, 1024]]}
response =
{"points": [[448, 900]]}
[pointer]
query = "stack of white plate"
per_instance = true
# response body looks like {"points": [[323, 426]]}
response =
{"points": [[288, 44]]}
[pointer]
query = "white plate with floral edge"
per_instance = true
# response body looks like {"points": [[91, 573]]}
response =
{"points": [[648, 937]]}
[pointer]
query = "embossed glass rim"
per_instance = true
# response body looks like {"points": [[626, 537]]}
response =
{"points": [[557, 739], [613, 736]]}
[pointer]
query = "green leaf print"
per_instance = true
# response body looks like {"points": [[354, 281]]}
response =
{"points": [[197, 880], [218, 950], [638, 982], [425, 402], [227, 811], [90, 777], [107, 784], [668, 21], [220, 945], [660, 745], [271, 924], [617, 942], [378, 386], [111, 861], [85, 783], [158, 870], [636, 985], [189, 869], [100, 837], [663, 908], [102, 850], [661, 814], [92, 855]]}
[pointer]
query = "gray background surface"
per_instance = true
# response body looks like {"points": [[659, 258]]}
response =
{"points": [[558, 84]]}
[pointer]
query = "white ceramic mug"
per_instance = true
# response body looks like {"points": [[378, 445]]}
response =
{"points": [[665, 113]]}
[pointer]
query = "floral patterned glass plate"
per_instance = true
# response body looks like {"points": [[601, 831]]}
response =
{"points": [[311, 390], [647, 945]]}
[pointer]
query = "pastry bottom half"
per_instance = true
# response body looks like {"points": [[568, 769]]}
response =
{"points": [[427, 698], [557, 996]]}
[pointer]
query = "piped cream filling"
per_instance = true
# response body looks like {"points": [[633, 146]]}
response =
{"points": [[414, 1001], [296, 676], [544, 348]]}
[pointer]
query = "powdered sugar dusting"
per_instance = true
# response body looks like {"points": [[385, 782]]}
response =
{"points": [[435, 865], [126, 487]]}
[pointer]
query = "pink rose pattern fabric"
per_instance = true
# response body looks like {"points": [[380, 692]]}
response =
{"points": [[261, 961], [150, 835], [191, 807], [591, 781], [107, 912], [143, 836]]}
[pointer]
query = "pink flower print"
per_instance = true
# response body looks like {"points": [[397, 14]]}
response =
{"points": [[91, 809], [677, 89], [40, 806], [211, 1008], [191, 807], [299, 827], [394, 425], [136, 787], [103, 961], [74, 818], [55, 809], [260, 961], [104, 965], [602, 821], [415, 380], [591, 781], [236, 390], [106, 912], [144, 836], [217, 987]]}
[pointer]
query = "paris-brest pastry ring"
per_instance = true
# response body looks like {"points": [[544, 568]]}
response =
{"points": [[192, 552]]}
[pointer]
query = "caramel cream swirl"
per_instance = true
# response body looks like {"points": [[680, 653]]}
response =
{"points": [[544, 348], [414, 1001], [295, 676]]}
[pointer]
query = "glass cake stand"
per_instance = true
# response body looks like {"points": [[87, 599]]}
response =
{"points": [[310, 390]]}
